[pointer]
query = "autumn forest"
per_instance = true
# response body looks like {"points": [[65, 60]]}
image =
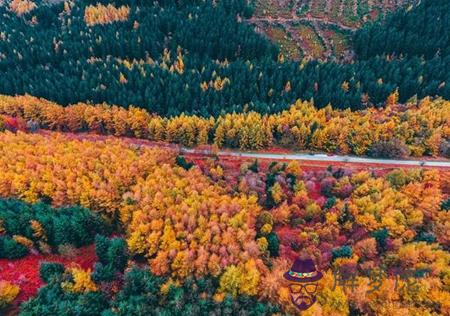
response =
{"points": [[226, 157]]}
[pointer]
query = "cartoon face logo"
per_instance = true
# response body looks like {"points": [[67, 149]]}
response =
{"points": [[303, 278], [303, 296]]}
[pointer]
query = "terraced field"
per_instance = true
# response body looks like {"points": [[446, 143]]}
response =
{"points": [[309, 39], [320, 28], [288, 45]]}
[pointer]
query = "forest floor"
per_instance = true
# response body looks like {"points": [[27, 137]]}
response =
{"points": [[25, 271]]}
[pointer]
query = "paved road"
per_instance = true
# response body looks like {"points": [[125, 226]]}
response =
{"points": [[326, 158], [260, 155]]}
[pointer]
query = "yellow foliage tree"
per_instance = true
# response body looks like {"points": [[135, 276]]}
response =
{"points": [[101, 14], [8, 292], [82, 282], [240, 280]]}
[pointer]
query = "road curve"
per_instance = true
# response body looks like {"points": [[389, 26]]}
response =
{"points": [[325, 158]]}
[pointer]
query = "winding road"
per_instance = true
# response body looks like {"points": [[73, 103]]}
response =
{"points": [[324, 158]]}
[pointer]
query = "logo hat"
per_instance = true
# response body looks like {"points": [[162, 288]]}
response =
{"points": [[303, 271]]}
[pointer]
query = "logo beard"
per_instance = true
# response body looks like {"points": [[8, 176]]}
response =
{"points": [[303, 302]]}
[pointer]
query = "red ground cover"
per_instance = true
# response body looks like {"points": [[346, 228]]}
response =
{"points": [[25, 271]]}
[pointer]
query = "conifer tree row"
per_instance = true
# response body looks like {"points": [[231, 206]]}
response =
{"points": [[200, 57]]}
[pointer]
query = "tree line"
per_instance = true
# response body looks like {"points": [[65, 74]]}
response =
{"points": [[397, 131]]}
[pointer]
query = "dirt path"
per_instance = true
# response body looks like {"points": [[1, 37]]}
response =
{"points": [[328, 47], [328, 6], [384, 7], [355, 7], [285, 21], [341, 9], [295, 7]]}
